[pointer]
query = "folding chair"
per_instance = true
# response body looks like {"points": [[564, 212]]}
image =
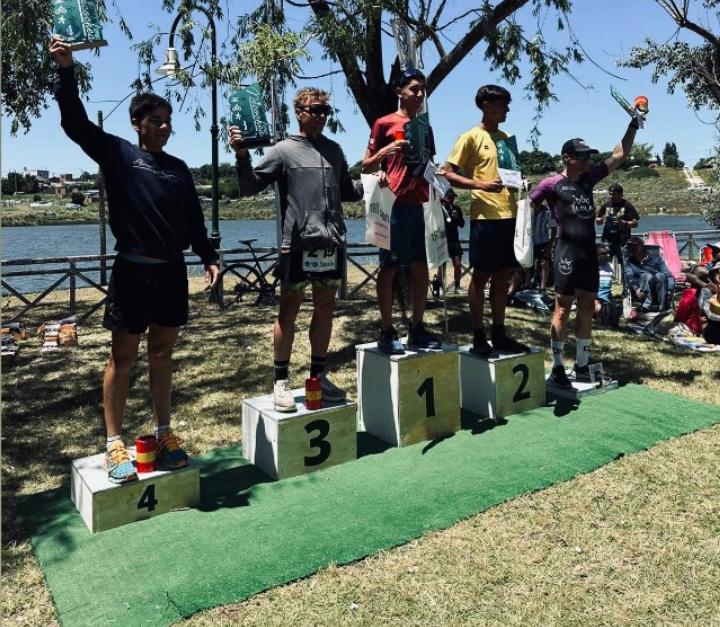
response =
{"points": [[668, 251]]}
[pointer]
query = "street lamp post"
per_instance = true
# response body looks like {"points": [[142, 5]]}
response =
{"points": [[170, 68]]}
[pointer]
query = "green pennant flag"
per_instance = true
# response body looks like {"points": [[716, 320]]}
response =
{"points": [[78, 23], [247, 111]]}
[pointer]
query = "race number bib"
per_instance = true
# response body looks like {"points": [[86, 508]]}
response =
{"points": [[319, 260]]}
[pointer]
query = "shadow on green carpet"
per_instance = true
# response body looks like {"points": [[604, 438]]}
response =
{"points": [[250, 533]]}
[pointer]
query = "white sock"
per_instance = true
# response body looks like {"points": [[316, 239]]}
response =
{"points": [[558, 352], [582, 352], [111, 440]]}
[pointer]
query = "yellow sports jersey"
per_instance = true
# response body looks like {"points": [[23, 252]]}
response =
{"points": [[480, 154]]}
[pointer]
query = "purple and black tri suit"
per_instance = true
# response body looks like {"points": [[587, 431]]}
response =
{"points": [[575, 263]]}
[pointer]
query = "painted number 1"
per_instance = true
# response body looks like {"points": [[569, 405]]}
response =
{"points": [[521, 394], [427, 389]]}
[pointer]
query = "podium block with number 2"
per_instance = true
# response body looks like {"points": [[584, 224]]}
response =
{"points": [[508, 385], [410, 398]]}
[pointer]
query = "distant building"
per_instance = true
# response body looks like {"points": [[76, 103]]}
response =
{"points": [[41, 174], [64, 178]]}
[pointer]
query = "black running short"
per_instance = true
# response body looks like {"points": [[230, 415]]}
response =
{"points": [[575, 267], [294, 277], [492, 246], [141, 294]]}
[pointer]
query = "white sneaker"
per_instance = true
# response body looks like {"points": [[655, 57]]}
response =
{"points": [[283, 399], [330, 392]]}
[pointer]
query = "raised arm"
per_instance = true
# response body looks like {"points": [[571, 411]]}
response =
{"points": [[622, 150]]}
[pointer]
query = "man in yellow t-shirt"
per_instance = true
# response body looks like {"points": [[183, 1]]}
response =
{"points": [[491, 165]]}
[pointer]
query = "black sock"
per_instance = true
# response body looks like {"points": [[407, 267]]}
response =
{"points": [[479, 336], [498, 331], [317, 365], [281, 370]]}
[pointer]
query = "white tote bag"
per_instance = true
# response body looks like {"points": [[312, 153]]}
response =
{"points": [[523, 234], [379, 202], [435, 238]]}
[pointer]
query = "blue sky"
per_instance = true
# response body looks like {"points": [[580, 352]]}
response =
{"points": [[607, 30]]}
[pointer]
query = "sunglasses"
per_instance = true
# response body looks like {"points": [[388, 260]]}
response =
{"points": [[582, 156], [318, 109]]}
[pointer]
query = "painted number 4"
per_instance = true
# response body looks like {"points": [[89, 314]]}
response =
{"points": [[147, 500]]}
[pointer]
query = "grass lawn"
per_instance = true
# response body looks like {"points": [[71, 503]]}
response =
{"points": [[636, 542]]}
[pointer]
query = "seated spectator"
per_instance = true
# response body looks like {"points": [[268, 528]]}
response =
{"points": [[711, 254], [648, 278], [710, 306], [606, 312], [688, 309]]}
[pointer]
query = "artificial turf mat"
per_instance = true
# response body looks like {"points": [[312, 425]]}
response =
{"points": [[249, 534]]}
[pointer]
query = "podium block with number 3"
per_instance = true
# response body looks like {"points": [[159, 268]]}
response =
{"points": [[288, 444], [410, 398], [507, 385], [104, 505]]}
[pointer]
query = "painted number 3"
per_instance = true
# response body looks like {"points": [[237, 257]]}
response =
{"points": [[521, 394], [319, 441]]}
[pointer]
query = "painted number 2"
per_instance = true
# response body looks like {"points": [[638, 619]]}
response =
{"points": [[319, 441], [427, 389], [521, 394], [147, 500]]}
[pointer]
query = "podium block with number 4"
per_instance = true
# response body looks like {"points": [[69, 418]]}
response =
{"points": [[104, 505], [507, 385], [288, 444], [410, 398]]}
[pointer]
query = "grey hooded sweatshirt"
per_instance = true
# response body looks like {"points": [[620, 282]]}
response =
{"points": [[313, 180]]}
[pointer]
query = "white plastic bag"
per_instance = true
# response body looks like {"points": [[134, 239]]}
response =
{"points": [[379, 202], [435, 238], [523, 234]]}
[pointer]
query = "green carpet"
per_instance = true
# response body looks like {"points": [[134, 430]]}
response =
{"points": [[250, 534]]}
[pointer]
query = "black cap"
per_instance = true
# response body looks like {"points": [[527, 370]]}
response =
{"points": [[450, 193], [616, 187], [635, 240], [574, 146], [409, 75]]}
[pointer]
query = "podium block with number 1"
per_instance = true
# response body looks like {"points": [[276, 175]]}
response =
{"points": [[410, 398]]}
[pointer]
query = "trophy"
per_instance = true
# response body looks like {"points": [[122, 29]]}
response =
{"points": [[247, 112], [78, 23], [640, 109]]}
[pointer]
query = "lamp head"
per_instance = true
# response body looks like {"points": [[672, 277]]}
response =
{"points": [[170, 67]]}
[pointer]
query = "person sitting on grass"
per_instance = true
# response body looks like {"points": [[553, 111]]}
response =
{"points": [[606, 312], [688, 310], [647, 277], [155, 215]]}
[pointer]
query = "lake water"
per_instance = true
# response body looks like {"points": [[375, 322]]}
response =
{"points": [[38, 242]]}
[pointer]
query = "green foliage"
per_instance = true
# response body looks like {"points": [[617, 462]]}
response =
{"points": [[705, 163], [78, 198], [643, 173], [538, 162], [671, 159], [640, 154]]}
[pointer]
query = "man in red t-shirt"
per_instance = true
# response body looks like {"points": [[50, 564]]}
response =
{"points": [[386, 156]]}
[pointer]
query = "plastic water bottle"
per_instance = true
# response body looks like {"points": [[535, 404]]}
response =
{"points": [[610, 222]]}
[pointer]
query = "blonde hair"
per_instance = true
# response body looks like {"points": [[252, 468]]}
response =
{"points": [[307, 93]]}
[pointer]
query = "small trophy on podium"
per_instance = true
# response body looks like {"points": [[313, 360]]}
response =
{"points": [[640, 109], [247, 112], [78, 23]]}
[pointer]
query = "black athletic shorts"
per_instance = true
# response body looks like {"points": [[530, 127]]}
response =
{"points": [[294, 277], [492, 245], [575, 266], [141, 294]]}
